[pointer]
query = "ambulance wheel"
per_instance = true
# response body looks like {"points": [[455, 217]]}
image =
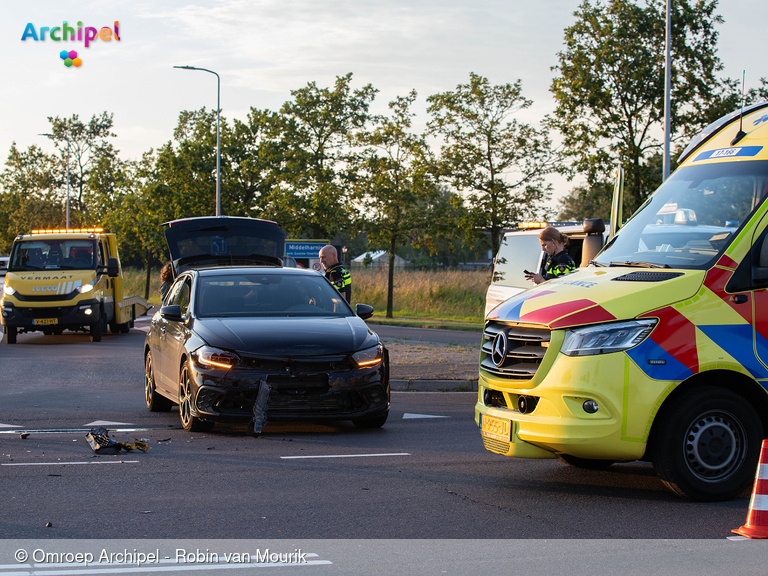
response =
{"points": [[586, 463], [155, 402], [189, 422], [10, 334], [706, 445], [96, 332]]}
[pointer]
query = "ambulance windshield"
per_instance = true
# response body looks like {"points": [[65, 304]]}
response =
{"points": [[691, 218]]}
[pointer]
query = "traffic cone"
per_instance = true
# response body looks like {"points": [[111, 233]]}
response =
{"points": [[757, 517]]}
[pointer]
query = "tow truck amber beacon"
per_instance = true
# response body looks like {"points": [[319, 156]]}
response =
{"points": [[659, 350]]}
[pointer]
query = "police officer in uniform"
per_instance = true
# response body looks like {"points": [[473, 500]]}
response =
{"points": [[557, 262], [335, 271]]}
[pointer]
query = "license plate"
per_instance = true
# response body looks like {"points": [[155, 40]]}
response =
{"points": [[495, 427], [39, 321]]}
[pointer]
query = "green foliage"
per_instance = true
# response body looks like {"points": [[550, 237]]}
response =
{"points": [[392, 185], [498, 164], [610, 88]]}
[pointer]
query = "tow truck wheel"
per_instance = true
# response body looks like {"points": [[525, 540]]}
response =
{"points": [[96, 332], [10, 334], [114, 327], [586, 463], [189, 422], [125, 327], [707, 444], [155, 402]]}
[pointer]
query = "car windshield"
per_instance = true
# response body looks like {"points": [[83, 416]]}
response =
{"points": [[691, 219], [246, 294], [38, 254]]}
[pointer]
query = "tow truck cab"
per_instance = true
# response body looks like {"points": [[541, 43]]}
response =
{"points": [[659, 351], [66, 280]]}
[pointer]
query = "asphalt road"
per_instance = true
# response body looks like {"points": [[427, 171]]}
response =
{"points": [[424, 475]]}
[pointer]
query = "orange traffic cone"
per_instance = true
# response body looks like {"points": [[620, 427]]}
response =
{"points": [[757, 517]]}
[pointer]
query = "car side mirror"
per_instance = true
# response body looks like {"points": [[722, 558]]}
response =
{"points": [[364, 311], [113, 268], [171, 312]]}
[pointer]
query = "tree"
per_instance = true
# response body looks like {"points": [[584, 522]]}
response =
{"points": [[610, 89], [391, 183], [315, 129], [499, 165], [88, 146], [29, 196], [582, 203]]}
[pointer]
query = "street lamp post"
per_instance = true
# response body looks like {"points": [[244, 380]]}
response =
{"points": [[67, 139], [218, 143]]}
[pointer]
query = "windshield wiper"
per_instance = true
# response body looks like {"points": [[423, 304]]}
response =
{"points": [[596, 263], [639, 264]]}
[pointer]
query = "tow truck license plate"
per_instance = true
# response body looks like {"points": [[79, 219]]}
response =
{"points": [[495, 427], [45, 321]]}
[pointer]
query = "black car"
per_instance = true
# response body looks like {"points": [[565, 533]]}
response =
{"points": [[235, 322]]}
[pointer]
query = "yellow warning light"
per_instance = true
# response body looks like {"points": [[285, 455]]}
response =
{"points": [[68, 231], [532, 225]]}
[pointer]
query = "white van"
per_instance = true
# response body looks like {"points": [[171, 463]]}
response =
{"points": [[520, 250]]}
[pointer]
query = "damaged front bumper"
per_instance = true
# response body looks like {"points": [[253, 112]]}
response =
{"points": [[296, 393]]}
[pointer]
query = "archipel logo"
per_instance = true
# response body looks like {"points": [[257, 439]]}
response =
{"points": [[66, 33]]}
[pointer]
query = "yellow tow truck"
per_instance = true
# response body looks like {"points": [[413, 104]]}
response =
{"points": [[68, 279]]}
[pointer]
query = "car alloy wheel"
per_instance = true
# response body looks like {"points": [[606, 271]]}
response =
{"points": [[155, 402], [189, 422]]}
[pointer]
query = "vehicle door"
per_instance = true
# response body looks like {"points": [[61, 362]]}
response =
{"points": [[169, 337]]}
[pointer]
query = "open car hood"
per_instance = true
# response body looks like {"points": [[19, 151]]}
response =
{"points": [[224, 241]]}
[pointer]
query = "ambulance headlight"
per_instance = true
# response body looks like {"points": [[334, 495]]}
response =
{"points": [[606, 338]]}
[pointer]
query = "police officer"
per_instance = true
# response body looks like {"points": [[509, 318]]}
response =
{"points": [[335, 272], [557, 262]]}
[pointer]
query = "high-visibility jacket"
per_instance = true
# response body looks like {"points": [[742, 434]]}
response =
{"points": [[340, 278], [557, 265]]}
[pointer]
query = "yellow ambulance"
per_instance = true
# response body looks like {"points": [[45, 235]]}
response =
{"points": [[659, 351], [66, 280]]}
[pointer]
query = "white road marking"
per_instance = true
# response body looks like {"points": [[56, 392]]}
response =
{"points": [[68, 463], [345, 456], [8, 426], [108, 423], [408, 416]]}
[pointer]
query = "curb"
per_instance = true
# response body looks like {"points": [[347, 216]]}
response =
{"points": [[434, 385]]}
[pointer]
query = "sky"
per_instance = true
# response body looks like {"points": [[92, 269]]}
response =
{"points": [[263, 49]]}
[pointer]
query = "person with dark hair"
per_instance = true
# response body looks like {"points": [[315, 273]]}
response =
{"points": [[558, 262], [166, 277]]}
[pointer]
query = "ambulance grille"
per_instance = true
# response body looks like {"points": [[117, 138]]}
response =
{"points": [[525, 347], [498, 446]]}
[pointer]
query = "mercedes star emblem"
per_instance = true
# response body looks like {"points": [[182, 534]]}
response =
{"points": [[499, 349]]}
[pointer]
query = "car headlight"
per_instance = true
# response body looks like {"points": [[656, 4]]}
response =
{"points": [[87, 287], [7, 289], [606, 338], [209, 357], [368, 357]]}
